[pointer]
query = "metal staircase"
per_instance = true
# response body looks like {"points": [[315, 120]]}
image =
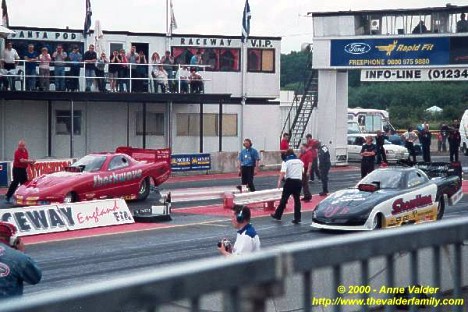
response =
{"points": [[301, 109]]}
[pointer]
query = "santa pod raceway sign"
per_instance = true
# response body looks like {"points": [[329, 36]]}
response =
{"points": [[68, 217]]}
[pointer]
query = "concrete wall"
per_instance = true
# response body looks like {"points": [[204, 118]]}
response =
{"points": [[228, 161]]}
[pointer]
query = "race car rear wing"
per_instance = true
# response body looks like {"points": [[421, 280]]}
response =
{"points": [[145, 154], [440, 169]]}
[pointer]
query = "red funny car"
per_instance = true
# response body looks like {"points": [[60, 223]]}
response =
{"points": [[127, 173]]}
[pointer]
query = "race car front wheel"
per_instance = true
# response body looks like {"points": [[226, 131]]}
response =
{"points": [[440, 208], [144, 190]]}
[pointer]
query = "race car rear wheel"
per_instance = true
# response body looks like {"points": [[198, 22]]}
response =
{"points": [[377, 222], [144, 190], [440, 208], [69, 198]]}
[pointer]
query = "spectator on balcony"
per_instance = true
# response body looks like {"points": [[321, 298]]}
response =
{"points": [[420, 28], [100, 72], [114, 70], [75, 58], [10, 59], [196, 59], [168, 61], [44, 69], [182, 77], [141, 73], [196, 81], [31, 59], [462, 24], [90, 58], [155, 59], [160, 79], [132, 58], [123, 72], [59, 57]]}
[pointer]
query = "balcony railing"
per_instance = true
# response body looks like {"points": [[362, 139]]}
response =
{"points": [[130, 77]]}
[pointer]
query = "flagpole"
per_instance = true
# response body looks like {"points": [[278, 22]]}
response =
{"points": [[243, 93], [168, 31]]}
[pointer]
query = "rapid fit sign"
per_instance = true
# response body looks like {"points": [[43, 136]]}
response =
{"points": [[391, 52]]}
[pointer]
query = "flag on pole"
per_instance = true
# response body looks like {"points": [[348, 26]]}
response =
{"points": [[5, 21], [173, 20], [246, 21], [87, 23]]}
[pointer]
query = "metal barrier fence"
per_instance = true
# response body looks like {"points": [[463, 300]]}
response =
{"points": [[132, 76], [248, 281]]}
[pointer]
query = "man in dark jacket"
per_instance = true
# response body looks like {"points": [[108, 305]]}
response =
{"points": [[454, 140], [324, 167], [425, 140], [15, 267], [379, 142]]}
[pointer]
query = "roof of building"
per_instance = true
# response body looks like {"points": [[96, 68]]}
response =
{"points": [[413, 11]]}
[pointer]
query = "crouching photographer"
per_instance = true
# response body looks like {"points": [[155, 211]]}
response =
{"points": [[247, 239], [15, 266]]}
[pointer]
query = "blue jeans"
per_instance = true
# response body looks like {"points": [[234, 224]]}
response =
{"points": [[31, 79], [90, 74], [59, 78]]}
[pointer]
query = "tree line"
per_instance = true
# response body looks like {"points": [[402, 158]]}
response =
{"points": [[406, 102]]}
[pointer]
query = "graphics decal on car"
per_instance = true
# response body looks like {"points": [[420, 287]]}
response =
{"points": [[101, 180], [400, 205]]}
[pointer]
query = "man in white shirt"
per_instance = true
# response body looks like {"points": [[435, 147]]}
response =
{"points": [[247, 239], [10, 59], [291, 169]]}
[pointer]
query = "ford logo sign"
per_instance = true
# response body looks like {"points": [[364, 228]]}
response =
{"points": [[357, 48]]}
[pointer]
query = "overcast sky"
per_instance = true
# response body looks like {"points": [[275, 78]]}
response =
{"points": [[285, 18]]}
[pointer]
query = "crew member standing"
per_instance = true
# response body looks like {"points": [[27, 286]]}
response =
{"points": [[425, 139], [284, 145], [248, 164], [313, 145], [379, 142], [368, 152], [291, 170], [20, 164], [410, 138], [306, 158], [324, 167], [454, 139], [17, 267]]}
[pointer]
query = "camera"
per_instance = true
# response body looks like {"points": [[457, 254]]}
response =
{"points": [[226, 243]]}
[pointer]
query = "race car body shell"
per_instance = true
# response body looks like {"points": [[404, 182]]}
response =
{"points": [[412, 202], [116, 175]]}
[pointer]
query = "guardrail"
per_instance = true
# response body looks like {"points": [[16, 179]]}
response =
{"points": [[132, 74], [248, 281]]}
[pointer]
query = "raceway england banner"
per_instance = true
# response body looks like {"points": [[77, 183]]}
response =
{"points": [[68, 217]]}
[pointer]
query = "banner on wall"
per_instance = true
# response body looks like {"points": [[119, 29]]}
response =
{"points": [[186, 162], [68, 217]]}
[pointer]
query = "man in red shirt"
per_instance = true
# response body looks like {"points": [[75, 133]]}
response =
{"points": [[306, 158], [284, 145], [313, 145], [20, 164]]}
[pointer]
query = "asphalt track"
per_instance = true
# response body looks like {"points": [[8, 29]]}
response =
{"points": [[193, 234]]}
